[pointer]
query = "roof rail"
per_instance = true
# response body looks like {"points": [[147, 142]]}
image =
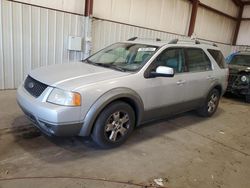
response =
{"points": [[195, 41], [246, 49], [175, 41], [209, 43], [137, 38]]}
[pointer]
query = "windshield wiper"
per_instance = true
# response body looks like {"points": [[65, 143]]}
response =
{"points": [[104, 65], [88, 61], [110, 66]]}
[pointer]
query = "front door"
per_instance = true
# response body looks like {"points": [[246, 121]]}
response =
{"points": [[164, 95]]}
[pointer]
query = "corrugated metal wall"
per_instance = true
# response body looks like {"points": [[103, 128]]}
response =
{"points": [[246, 12], [226, 6], [212, 26], [76, 6], [106, 32], [172, 16], [31, 37], [166, 15], [244, 32]]}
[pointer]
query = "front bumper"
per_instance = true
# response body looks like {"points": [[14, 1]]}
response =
{"points": [[51, 119], [239, 89]]}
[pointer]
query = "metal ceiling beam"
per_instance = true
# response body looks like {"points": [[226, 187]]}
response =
{"points": [[195, 4], [88, 8], [236, 32], [246, 3], [238, 2]]}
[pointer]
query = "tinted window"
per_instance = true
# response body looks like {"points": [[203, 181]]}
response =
{"points": [[241, 60], [218, 57], [197, 60], [171, 58]]}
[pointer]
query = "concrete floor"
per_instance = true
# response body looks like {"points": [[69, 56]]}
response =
{"points": [[186, 151]]}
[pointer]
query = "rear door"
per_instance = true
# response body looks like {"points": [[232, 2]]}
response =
{"points": [[200, 76]]}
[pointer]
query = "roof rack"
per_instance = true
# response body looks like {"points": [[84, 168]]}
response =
{"points": [[176, 41], [246, 49], [194, 41], [137, 38]]}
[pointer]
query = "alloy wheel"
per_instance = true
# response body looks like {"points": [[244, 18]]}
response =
{"points": [[212, 103], [117, 126]]}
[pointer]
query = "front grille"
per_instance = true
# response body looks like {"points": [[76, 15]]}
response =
{"points": [[232, 78], [34, 87]]}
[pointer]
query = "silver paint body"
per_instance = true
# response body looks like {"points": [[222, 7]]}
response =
{"points": [[99, 86]]}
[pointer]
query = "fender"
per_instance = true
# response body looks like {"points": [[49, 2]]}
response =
{"points": [[104, 100], [216, 85]]}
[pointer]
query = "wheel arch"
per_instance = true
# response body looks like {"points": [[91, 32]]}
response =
{"points": [[119, 94], [215, 86], [219, 88]]}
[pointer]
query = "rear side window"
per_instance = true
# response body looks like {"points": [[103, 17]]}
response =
{"points": [[197, 60], [218, 57]]}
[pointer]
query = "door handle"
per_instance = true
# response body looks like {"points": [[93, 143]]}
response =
{"points": [[181, 82], [211, 78]]}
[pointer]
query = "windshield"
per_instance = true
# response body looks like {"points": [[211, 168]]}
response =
{"points": [[123, 56], [241, 60]]}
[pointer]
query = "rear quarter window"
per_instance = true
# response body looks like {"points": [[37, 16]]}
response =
{"points": [[218, 57]]}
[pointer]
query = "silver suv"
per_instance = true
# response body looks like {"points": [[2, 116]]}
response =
{"points": [[122, 86]]}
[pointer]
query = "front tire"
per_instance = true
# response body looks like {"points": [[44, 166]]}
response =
{"points": [[211, 104], [114, 125]]}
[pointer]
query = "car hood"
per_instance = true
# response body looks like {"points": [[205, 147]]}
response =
{"points": [[234, 69], [73, 75]]}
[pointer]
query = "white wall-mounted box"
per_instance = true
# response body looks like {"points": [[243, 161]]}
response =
{"points": [[75, 43]]}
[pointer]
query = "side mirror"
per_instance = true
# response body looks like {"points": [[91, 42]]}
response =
{"points": [[162, 71]]}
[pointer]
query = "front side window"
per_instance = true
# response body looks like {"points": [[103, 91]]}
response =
{"points": [[172, 58], [197, 60], [123, 56], [241, 60], [218, 57]]}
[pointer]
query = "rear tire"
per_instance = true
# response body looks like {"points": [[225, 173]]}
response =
{"points": [[211, 104], [114, 125]]}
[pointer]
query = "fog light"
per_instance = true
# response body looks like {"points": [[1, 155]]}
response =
{"points": [[243, 78]]}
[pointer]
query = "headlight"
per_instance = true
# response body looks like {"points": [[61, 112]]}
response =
{"points": [[65, 98], [244, 79]]}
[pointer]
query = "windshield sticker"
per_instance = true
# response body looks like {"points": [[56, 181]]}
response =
{"points": [[146, 49]]}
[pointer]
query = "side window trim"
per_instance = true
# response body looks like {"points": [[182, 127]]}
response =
{"points": [[187, 60], [150, 66], [182, 54]]}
